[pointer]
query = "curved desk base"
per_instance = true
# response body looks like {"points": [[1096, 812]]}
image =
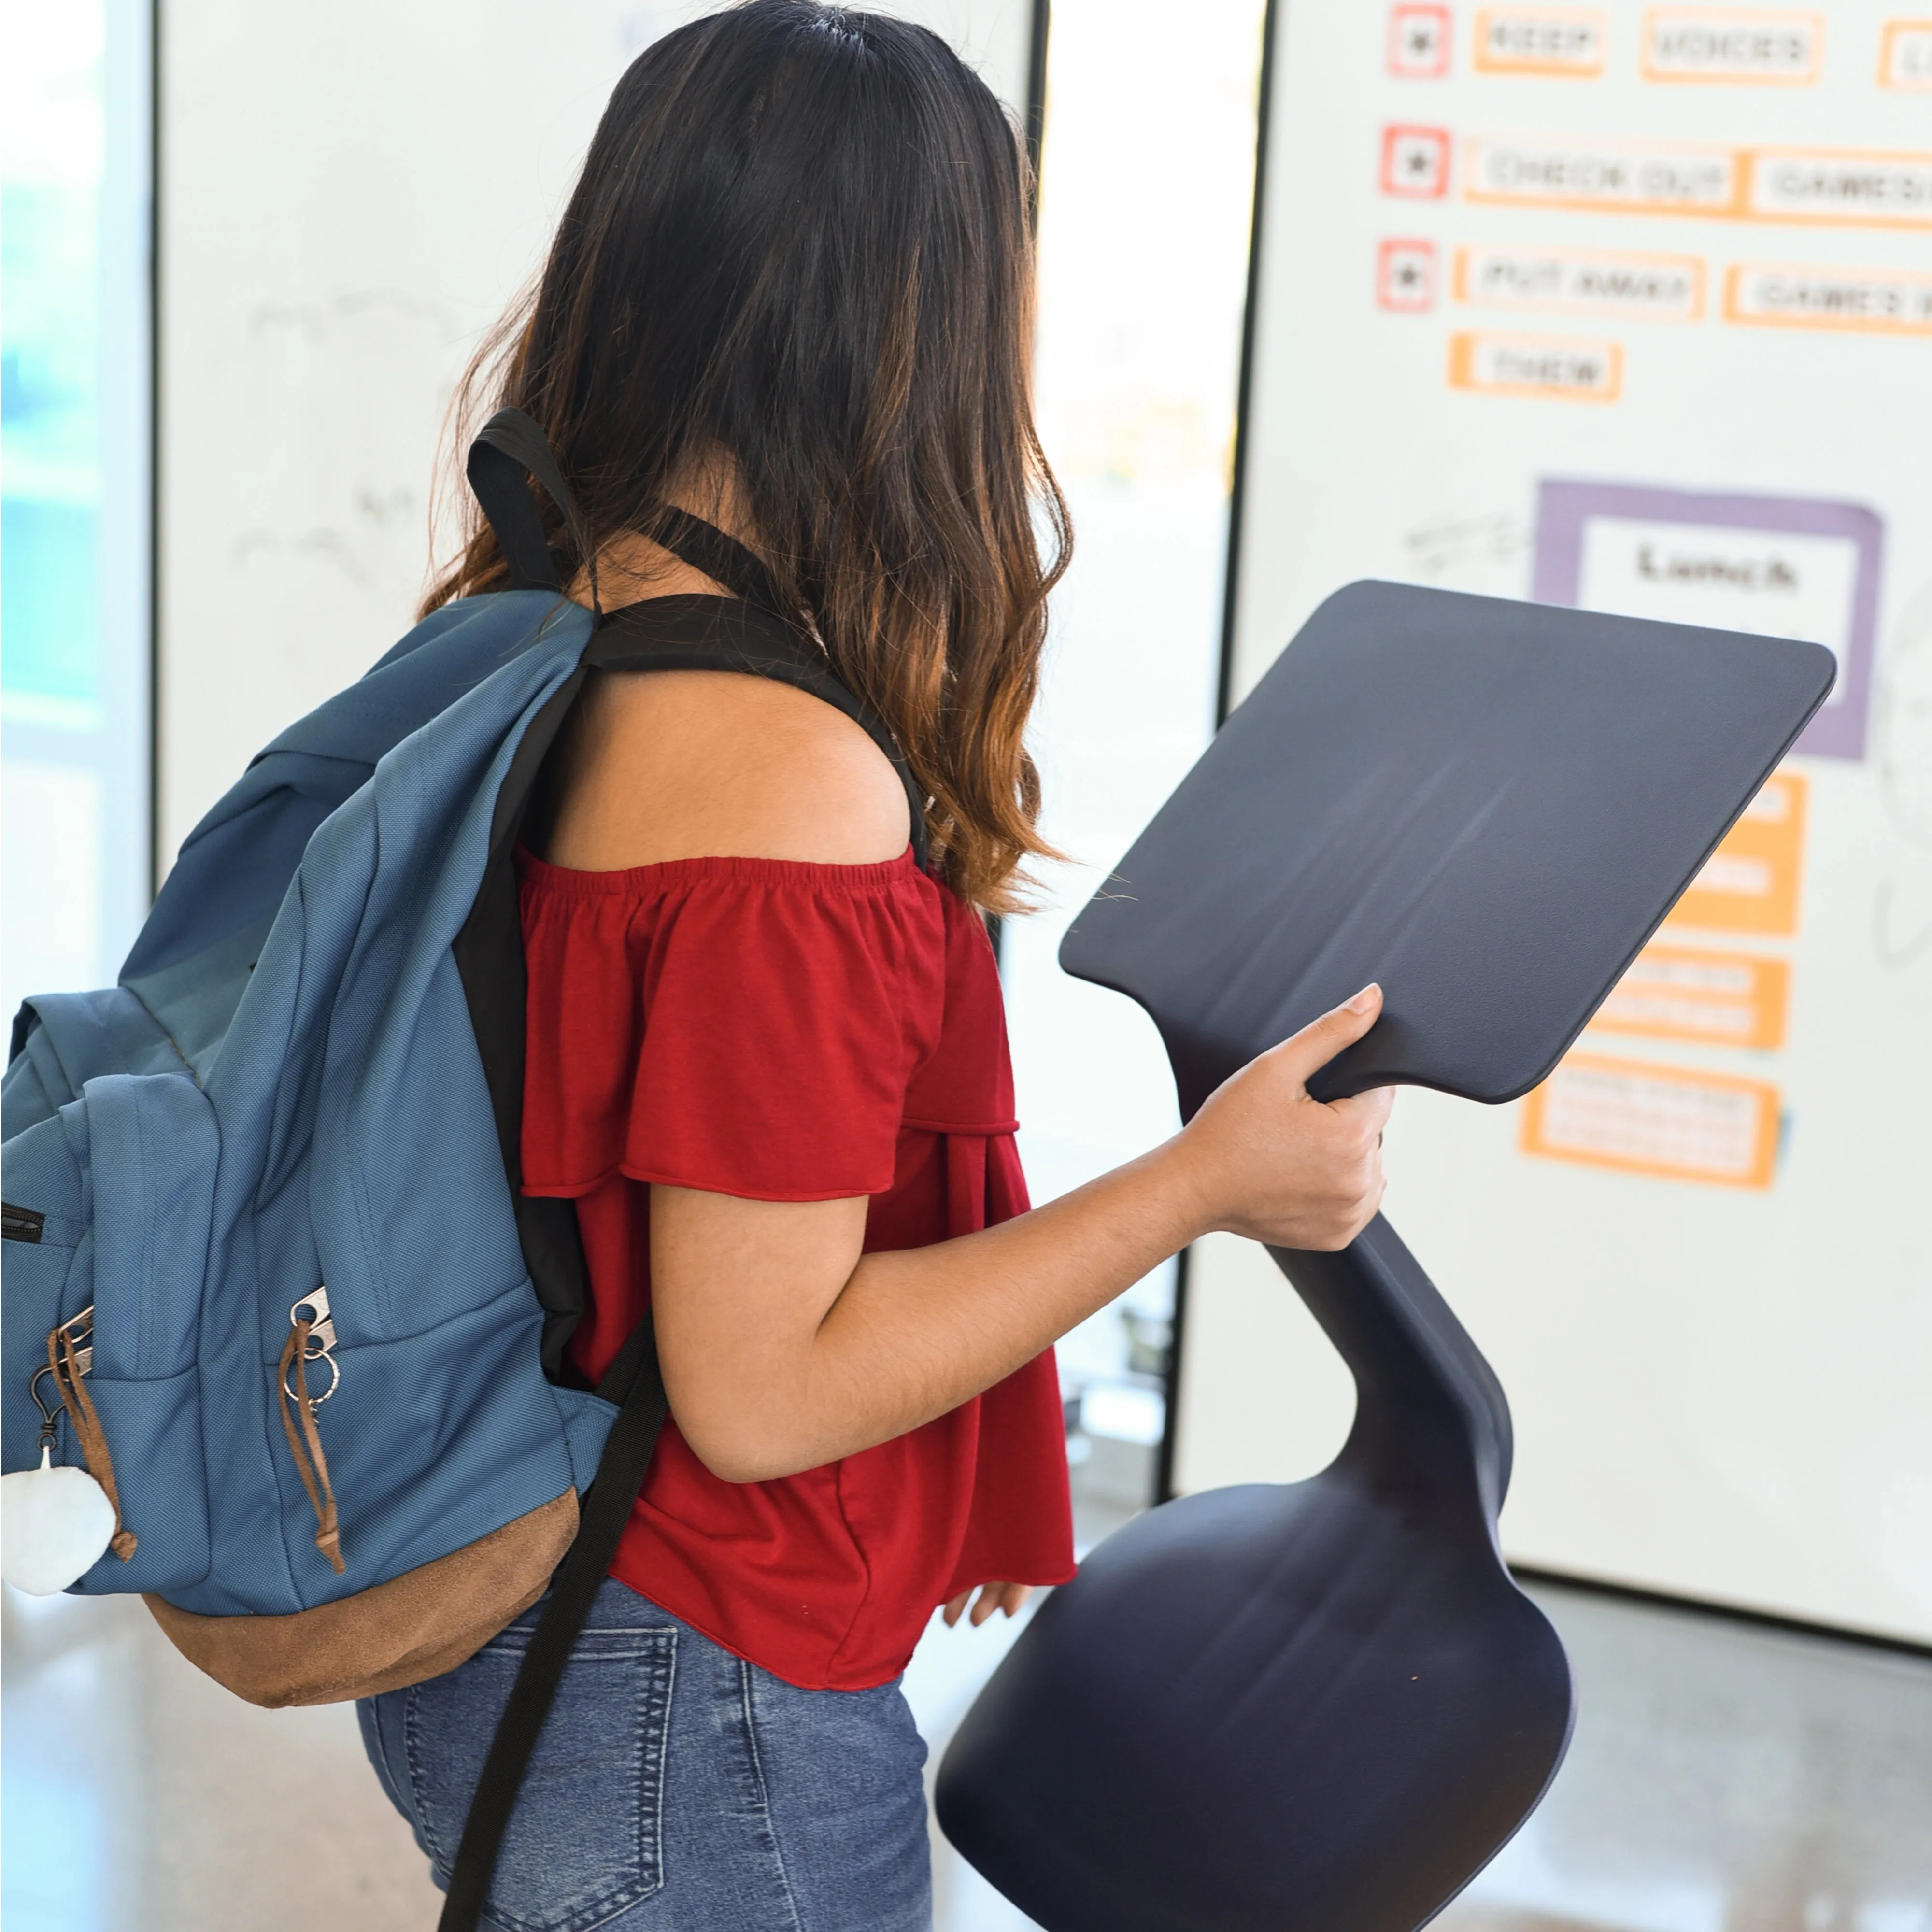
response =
{"points": [[1323, 1705]]}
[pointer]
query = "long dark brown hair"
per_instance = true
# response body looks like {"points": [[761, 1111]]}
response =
{"points": [[800, 242]]}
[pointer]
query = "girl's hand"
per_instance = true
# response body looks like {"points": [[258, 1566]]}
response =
{"points": [[785, 1345], [1268, 1162], [1007, 1597]]}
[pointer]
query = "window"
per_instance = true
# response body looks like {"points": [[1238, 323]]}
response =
{"points": [[74, 498]]}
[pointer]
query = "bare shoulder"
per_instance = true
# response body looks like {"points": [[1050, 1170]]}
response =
{"points": [[663, 765]]}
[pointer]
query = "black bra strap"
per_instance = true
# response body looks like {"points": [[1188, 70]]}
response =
{"points": [[706, 633], [755, 634], [510, 446], [723, 559], [507, 447]]}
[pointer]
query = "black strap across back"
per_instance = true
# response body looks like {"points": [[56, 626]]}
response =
{"points": [[757, 630], [753, 632]]}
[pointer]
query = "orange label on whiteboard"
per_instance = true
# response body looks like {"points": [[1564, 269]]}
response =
{"points": [[1673, 992], [1750, 884], [1707, 44], [1905, 56], [1637, 1118], [1581, 281], [1773, 295], [1619, 177], [1561, 40], [1838, 187], [1562, 367]]}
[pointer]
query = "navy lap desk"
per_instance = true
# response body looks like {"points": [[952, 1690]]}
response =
{"points": [[1326, 1704]]}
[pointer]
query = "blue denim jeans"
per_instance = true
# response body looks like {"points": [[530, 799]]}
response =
{"points": [[675, 1788]]}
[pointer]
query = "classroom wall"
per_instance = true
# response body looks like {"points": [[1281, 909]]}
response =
{"points": [[348, 195]]}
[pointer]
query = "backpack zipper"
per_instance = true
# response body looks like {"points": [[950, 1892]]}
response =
{"points": [[21, 1224]]}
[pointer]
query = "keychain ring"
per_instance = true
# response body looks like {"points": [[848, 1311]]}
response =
{"points": [[334, 1379]]}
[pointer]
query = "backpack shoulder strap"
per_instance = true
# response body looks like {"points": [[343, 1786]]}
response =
{"points": [[749, 634], [706, 633], [684, 633], [700, 633], [508, 447], [635, 1385]]}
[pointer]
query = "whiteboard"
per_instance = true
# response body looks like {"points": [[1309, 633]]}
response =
{"points": [[349, 195], [1631, 307]]}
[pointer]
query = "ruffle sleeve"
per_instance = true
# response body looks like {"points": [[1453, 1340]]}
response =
{"points": [[746, 1026]]}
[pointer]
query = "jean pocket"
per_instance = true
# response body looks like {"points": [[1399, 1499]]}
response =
{"points": [[586, 1841]]}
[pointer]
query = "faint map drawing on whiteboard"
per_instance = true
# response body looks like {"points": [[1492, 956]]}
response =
{"points": [[346, 395], [1781, 566]]}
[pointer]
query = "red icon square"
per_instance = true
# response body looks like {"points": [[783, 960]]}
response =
{"points": [[1415, 162], [1405, 277], [1418, 42]]}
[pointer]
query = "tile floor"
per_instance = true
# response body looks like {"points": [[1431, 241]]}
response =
{"points": [[1725, 1777]]}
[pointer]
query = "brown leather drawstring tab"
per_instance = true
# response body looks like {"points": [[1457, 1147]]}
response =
{"points": [[71, 1382], [311, 1464]]}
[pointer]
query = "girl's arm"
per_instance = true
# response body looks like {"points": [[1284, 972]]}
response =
{"points": [[784, 1348]]}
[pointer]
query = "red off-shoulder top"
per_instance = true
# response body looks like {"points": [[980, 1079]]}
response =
{"points": [[792, 1032]]}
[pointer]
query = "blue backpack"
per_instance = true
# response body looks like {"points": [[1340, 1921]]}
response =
{"points": [[269, 1274]]}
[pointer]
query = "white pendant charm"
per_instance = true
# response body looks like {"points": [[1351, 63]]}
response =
{"points": [[55, 1525]]}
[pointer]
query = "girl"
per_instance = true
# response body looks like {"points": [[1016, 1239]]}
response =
{"points": [[765, 1057]]}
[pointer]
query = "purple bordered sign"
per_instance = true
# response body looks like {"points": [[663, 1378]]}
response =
{"points": [[1782, 566]]}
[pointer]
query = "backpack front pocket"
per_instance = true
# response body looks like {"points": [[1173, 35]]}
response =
{"points": [[153, 1430], [41, 1249], [150, 1147]]}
